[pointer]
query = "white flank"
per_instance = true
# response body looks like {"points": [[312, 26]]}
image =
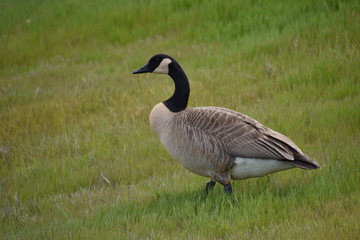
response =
{"points": [[251, 167]]}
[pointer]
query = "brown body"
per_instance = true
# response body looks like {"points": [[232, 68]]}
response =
{"points": [[211, 141]]}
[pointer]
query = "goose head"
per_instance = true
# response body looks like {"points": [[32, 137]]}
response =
{"points": [[164, 64], [157, 64]]}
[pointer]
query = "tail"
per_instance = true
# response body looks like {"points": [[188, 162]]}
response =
{"points": [[303, 161]]}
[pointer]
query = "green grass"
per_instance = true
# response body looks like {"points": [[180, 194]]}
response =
{"points": [[78, 159]]}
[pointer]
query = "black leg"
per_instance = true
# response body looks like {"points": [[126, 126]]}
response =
{"points": [[228, 188], [210, 185]]}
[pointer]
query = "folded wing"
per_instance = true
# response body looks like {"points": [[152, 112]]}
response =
{"points": [[245, 137]]}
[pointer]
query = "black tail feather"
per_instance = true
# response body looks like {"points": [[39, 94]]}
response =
{"points": [[304, 162]]}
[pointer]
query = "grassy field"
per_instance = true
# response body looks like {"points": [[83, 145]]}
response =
{"points": [[78, 159]]}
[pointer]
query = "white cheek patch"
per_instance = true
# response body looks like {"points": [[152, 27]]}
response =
{"points": [[163, 66]]}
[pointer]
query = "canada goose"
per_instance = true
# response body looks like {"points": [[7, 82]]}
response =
{"points": [[217, 142]]}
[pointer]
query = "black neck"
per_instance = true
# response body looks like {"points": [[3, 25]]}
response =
{"points": [[179, 99]]}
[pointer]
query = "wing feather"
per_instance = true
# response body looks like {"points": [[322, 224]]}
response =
{"points": [[241, 135]]}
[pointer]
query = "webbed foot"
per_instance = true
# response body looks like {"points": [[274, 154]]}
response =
{"points": [[210, 185], [228, 188]]}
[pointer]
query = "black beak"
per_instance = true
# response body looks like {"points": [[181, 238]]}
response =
{"points": [[144, 69]]}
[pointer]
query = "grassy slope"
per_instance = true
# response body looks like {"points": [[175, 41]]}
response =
{"points": [[78, 159]]}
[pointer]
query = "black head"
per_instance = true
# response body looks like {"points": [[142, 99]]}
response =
{"points": [[164, 64], [157, 64]]}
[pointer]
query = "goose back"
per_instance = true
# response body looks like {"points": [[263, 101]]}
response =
{"points": [[245, 137]]}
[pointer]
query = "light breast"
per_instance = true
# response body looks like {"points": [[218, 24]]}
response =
{"points": [[160, 118]]}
